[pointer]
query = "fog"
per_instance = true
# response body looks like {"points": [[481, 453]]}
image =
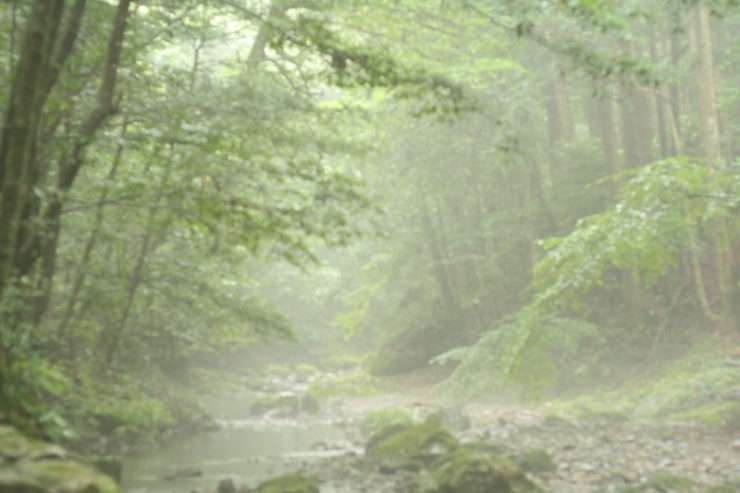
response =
{"points": [[413, 246]]}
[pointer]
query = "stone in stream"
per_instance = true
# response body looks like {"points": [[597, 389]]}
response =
{"points": [[283, 405], [226, 486], [290, 483], [183, 474], [534, 460]]}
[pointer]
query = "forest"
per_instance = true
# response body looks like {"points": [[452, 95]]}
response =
{"points": [[428, 246]]}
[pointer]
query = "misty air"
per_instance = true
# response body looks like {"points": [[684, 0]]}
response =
{"points": [[370, 246]]}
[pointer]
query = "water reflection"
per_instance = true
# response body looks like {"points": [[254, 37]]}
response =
{"points": [[247, 451]]}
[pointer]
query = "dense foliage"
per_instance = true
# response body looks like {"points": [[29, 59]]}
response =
{"points": [[552, 186]]}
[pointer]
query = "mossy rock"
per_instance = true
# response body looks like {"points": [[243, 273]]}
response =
{"points": [[535, 460], [375, 420], [31, 466], [286, 404], [468, 471], [384, 432], [410, 447], [484, 447], [290, 483]]}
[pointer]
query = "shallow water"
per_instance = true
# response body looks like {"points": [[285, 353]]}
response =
{"points": [[247, 451]]}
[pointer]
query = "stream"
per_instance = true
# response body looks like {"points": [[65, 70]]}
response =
{"points": [[248, 451]]}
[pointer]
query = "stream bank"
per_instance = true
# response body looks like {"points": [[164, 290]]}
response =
{"points": [[600, 453]]}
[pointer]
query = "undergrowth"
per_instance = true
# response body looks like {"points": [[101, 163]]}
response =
{"points": [[703, 385]]}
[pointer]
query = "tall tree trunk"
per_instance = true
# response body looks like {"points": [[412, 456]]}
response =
{"points": [[19, 143], [441, 271], [709, 130], [609, 137], [660, 107], [559, 111]]}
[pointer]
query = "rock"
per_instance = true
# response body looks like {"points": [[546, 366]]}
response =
{"points": [[397, 447], [467, 471], [275, 404], [454, 418], [226, 486], [290, 483], [182, 474], [32, 466], [310, 404], [534, 460]]}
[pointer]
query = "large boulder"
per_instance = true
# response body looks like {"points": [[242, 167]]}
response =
{"points": [[469, 471], [402, 446], [32, 466], [290, 483]]}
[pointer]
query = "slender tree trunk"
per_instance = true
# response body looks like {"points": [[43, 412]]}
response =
{"points": [[83, 265], [48, 237], [112, 337]]}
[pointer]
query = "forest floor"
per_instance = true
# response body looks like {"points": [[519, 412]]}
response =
{"points": [[602, 453]]}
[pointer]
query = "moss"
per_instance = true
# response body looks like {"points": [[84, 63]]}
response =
{"points": [[467, 471], [375, 420], [669, 482], [31, 466], [262, 405], [713, 414], [384, 432], [535, 460], [722, 488], [484, 447], [410, 447], [291, 483]]}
